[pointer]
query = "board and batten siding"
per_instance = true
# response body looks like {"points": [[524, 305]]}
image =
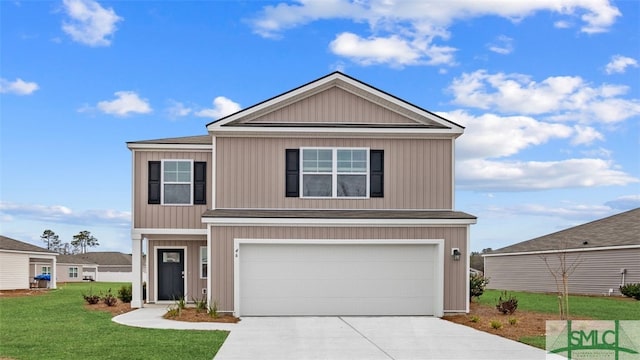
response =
{"points": [[14, 271], [192, 267], [222, 260], [334, 105], [251, 174], [596, 272], [166, 216]]}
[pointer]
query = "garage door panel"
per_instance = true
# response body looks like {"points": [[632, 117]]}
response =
{"points": [[337, 279]]}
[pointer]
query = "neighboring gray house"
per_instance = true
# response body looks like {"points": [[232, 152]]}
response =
{"points": [[73, 268], [334, 198], [15, 259], [606, 253], [112, 266]]}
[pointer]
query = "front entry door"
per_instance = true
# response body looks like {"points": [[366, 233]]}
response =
{"points": [[170, 274]]}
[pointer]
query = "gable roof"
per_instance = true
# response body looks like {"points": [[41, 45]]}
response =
{"points": [[618, 230], [107, 258], [73, 259], [397, 115], [20, 246], [198, 141]]}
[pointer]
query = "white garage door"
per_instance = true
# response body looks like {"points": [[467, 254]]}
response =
{"points": [[338, 279]]}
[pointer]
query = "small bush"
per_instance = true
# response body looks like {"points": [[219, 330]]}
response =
{"points": [[475, 318], [91, 298], [173, 311], [631, 290], [496, 324], [109, 299], [125, 294], [508, 304], [477, 283], [513, 321], [181, 303], [213, 310], [201, 304]]}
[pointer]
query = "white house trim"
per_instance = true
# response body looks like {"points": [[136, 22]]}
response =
{"points": [[164, 231], [565, 250], [334, 222], [172, 147]]}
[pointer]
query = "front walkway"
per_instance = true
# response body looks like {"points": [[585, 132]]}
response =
{"points": [[353, 338]]}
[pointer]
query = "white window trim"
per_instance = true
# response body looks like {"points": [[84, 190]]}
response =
{"points": [[334, 173], [72, 272], [201, 263], [45, 270], [162, 182]]}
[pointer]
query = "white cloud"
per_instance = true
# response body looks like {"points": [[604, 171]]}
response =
{"points": [[586, 135], [413, 25], [177, 109], [562, 98], [63, 214], [221, 107], [626, 202], [502, 45], [18, 87], [492, 136], [619, 64], [89, 23], [127, 102], [487, 175]]}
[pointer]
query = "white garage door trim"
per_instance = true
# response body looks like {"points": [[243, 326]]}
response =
{"points": [[438, 303]]}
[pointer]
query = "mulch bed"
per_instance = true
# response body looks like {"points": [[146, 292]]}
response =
{"points": [[23, 292], [193, 315]]}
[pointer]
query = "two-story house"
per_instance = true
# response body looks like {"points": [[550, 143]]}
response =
{"points": [[334, 198]]}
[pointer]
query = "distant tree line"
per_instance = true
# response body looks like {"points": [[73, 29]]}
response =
{"points": [[477, 261], [81, 241]]}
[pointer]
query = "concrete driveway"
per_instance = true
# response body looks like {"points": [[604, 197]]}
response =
{"points": [[367, 338]]}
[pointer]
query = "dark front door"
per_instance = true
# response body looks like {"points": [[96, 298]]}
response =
{"points": [[170, 274]]}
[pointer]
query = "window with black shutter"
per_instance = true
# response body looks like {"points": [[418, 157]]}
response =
{"points": [[154, 182]]}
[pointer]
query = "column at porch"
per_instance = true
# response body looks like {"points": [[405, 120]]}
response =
{"points": [[136, 269]]}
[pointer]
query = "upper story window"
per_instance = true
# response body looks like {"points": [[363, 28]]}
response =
{"points": [[335, 172], [177, 182], [341, 173]]}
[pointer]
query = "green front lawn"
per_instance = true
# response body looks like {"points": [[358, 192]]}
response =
{"points": [[594, 307], [57, 326]]}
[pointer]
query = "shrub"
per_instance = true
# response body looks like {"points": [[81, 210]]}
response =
{"points": [[496, 324], [201, 304], [508, 304], [125, 294], [213, 309], [91, 298], [173, 311], [109, 299], [475, 318], [181, 303], [477, 283], [513, 321], [631, 290]]}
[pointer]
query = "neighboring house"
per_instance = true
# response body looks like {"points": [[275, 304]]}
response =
{"points": [[606, 254], [73, 268], [15, 257], [112, 266], [334, 198]]}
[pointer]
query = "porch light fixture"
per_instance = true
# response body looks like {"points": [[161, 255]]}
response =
{"points": [[455, 253]]}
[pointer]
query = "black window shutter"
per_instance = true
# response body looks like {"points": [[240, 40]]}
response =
{"points": [[376, 177], [154, 182], [200, 183], [292, 175]]}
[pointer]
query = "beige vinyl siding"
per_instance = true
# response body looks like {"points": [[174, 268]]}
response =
{"points": [[14, 271], [166, 216], [334, 105], [221, 253], [596, 273], [192, 268], [250, 173], [62, 272]]}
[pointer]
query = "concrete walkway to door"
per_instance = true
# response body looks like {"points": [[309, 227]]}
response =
{"points": [[349, 338]]}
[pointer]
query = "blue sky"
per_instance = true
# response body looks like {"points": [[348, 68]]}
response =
{"points": [[549, 92]]}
